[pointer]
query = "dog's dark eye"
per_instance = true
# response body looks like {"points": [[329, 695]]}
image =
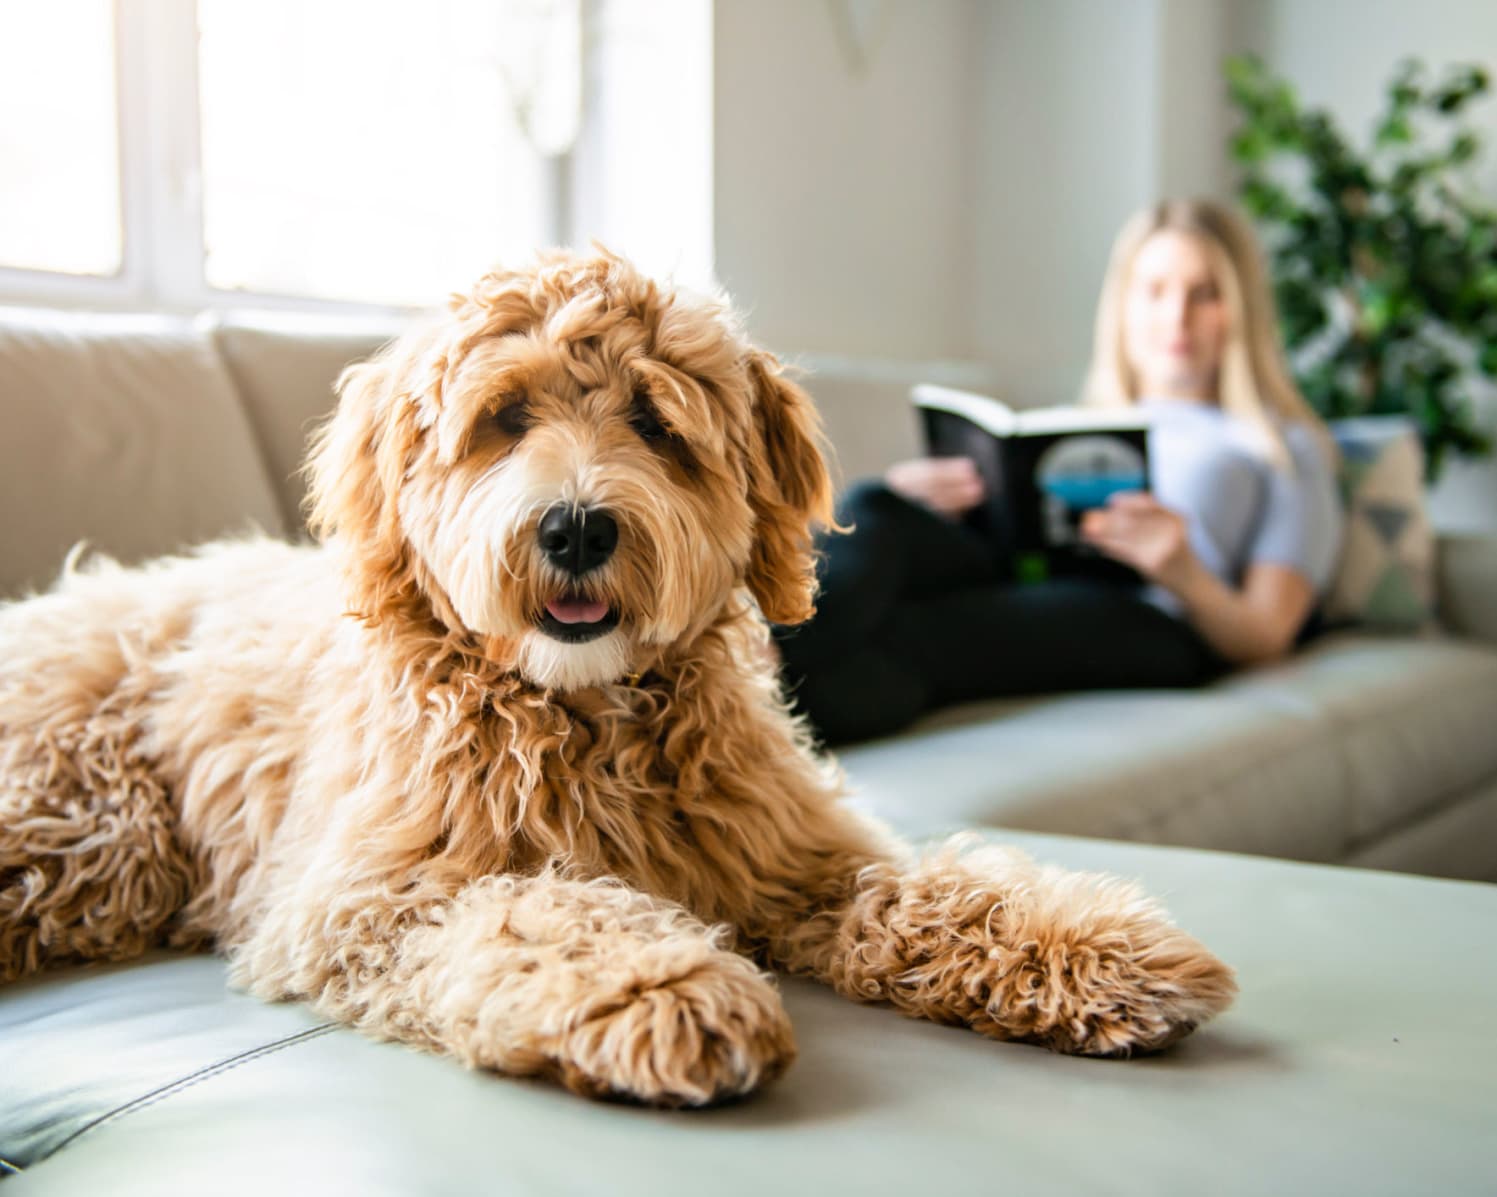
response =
{"points": [[513, 418], [645, 422], [648, 427]]}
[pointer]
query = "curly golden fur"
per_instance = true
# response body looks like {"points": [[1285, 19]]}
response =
{"points": [[551, 819]]}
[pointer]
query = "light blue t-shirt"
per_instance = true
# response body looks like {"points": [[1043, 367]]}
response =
{"points": [[1240, 508]]}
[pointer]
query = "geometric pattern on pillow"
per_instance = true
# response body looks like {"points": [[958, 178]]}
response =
{"points": [[1386, 575]]}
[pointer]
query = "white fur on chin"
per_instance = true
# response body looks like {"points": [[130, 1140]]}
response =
{"points": [[558, 666]]}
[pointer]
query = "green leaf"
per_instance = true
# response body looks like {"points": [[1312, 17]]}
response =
{"points": [[1242, 70], [1462, 84], [1266, 201], [1246, 81], [1450, 99], [1404, 88], [1378, 311], [1388, 230], [1487, 359], [1251, 145], [1394, 130], [1463, 148]]}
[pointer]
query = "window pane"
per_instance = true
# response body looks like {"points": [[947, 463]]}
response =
{"points": [[650, 116], [362, 150], [59, 138]]}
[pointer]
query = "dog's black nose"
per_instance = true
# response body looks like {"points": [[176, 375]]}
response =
{"points": [[577, 539]]}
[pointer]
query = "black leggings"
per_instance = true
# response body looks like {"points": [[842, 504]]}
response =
{"points": [[913, 616]]}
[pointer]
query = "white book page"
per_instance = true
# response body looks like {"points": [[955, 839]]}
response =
{"points": [[987, 413], [1000, 419], [1076, 418]]}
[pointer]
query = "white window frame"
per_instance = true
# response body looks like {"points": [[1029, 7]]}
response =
{"points": [[161, 193]]}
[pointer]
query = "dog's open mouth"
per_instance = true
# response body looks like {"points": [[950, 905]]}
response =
{"points": [[575, 619]]}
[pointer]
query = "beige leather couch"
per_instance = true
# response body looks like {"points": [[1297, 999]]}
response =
{"points": [[142, 434], [1359, 1058]]}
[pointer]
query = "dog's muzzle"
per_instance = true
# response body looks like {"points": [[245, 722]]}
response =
{"points": [[577, 540]]}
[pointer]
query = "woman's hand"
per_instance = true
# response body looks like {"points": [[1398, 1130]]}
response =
{"points": [[1256, 621], [1136, 529], [947, 485]]}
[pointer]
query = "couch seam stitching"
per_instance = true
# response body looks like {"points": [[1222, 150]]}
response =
{"points": [[191, 1079]]}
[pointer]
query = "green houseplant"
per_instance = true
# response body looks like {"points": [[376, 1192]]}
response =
{"points": [[1384, 262]]}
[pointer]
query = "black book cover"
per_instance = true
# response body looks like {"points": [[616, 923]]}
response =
{"points": [[1041, 470]]}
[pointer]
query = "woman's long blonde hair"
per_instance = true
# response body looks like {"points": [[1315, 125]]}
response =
{"points": [[1254, 382]]}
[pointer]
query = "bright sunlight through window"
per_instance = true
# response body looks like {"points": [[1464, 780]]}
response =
{"points": [[59, 138], [363, 151], [183, 154]]}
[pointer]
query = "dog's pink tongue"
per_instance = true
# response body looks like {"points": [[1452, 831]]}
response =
{"points": [[576, 610]]}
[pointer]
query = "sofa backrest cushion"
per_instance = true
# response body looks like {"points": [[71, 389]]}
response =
{"points": [[866, 411], [285, 368], [123, 431]]}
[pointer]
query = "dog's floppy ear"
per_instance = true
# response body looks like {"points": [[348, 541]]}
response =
{"points": [[357, 462], [789, 490]]}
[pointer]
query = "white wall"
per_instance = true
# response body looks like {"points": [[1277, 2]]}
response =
{"points": [[1192, 118], [1065, 153], [958, 200], [643, 181], [1090, 110], [843, 201]]}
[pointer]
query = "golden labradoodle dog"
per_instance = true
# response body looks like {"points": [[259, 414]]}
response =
{"points": [[500, 768]]}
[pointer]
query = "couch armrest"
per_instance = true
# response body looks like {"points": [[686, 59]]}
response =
{"points": [[1467, 588]]}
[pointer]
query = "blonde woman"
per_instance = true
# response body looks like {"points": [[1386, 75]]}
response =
{"points": [[1236, 540]]}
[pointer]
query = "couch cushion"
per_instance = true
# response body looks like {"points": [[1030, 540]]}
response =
{"points": [[1216, 768], [1308, 759], [1327, 1076], [1459, 840], [1468, 585], [285, 367], [120, 1042], [866, 410], [1413, 719], [122, 430]]}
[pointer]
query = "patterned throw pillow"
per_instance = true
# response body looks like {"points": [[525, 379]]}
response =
{"points": [[1386, 578]]}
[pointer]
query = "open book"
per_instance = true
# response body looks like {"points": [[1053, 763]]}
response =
{"points": [[1041, 469]]}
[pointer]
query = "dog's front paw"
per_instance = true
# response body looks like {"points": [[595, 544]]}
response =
{"points": [[1113, 998], [710, 1035], [1094, 968]]}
